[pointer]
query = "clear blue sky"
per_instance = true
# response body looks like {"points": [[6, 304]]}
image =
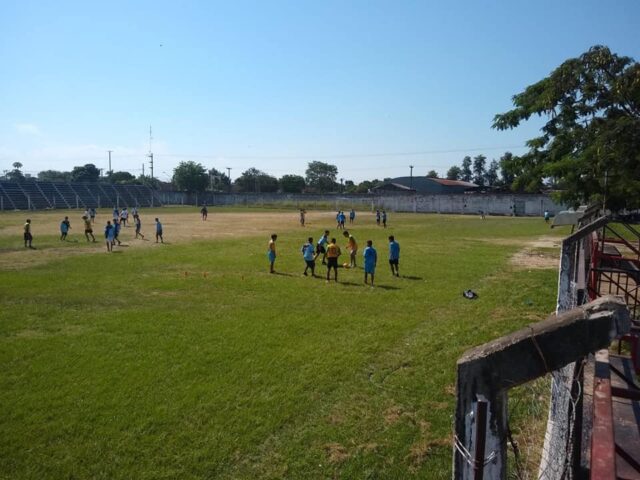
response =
{"points": [[276, 84]]}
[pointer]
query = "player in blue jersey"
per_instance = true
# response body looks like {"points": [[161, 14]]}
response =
{"points": [[321, 248], [370, 259], [308, 253], [394, 255], [159, 231], [65, 226], [109, 233]]}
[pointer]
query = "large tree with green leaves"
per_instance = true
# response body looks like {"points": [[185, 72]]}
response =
{"points": [[590, 145], [322, 176], [85, 173], [254, 180], [190, 177], [454, 173], [465, 170], [292, 183]]}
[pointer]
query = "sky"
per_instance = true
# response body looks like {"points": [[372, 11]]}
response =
{"points": [[369, 86]]}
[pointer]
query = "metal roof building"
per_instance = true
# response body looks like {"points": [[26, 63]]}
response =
{"points": [[424, 185]]}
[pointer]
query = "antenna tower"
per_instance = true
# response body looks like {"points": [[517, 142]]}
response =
{"points": [[150, 155]]}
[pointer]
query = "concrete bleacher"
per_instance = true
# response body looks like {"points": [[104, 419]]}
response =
{"points": [[34, 194], [31, 195]]}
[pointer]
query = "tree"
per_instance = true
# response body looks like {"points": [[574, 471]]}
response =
{"points": [[479, 162], [122, 178], [54, 176], [322, 176], [432, 174], [147, 181], [292, 183], [86, 173], [15, 174], [590, 145], [190, 177], [454, 173], [218, 181], [466, 173], [507, 174], [491, 175], [254, 180]]}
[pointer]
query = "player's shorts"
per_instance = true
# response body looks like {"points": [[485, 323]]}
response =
{"points": [[370, 268], [393, 261], [88, 230], [159, 233], [27, 236], [311, 264], [332, 263], [271, 256], [320, 249]]}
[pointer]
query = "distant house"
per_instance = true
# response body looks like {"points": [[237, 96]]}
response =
{"points": [[424, 186]]}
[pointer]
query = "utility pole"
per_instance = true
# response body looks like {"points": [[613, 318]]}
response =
{"points": [[143, 169], [150, 153], [229, 176], [411, 177], [109, 151]]}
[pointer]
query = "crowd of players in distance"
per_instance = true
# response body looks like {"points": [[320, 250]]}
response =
{"points": [[111, 229], [330, 251]]}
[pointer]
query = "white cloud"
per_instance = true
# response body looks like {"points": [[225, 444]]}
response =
{"points": [[27, 129]]}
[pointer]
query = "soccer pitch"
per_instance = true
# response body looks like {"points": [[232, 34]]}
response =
{"points": [[189, 360]]}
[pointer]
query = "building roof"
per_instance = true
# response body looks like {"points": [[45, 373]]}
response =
{"points": [[425, 184], [459, 183]]}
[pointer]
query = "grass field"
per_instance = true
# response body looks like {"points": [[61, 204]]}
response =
{"points": [[189, 360]]}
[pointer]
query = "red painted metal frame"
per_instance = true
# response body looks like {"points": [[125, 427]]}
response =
{"points": [[603, 455]]}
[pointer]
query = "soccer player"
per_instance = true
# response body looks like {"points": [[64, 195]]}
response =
{"points": [[116, 231], [308, 254], [333, 252], [116, 213], [271, 252], [65, 225], [352, 215], [88, 228], [394, 255], [124, 216], [370, 259], [338, 220], [384, 219], [92, 215], [377, 217], [320, 249], [546, 216], [28, 238], [138, 224], [342, 219], [352, 248], [302, 214], [109, 235], [204, 212], [159, 231]]}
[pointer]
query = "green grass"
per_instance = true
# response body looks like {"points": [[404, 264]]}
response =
{"points": [[121, 366]]}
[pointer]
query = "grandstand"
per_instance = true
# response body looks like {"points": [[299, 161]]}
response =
{"points": [[33, 195]]}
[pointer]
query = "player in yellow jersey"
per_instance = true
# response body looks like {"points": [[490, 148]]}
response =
{"points": [[271, 252], [28, 238], [352, 247], [333, 252], [88, 228]]}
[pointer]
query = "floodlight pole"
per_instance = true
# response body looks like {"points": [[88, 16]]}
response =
{"points": [[229, 177], [411, 177], [109, 151]]}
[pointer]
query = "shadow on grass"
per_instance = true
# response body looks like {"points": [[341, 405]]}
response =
{"points": [[283, 274], [410, 277]]}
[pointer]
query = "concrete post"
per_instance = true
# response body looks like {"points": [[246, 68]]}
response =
{"points": [[491, 369]]}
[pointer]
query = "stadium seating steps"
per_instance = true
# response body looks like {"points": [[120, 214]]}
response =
{"points": [[31, 195]]}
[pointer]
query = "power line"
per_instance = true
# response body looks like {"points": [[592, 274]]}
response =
{"points": [[338, 156]]}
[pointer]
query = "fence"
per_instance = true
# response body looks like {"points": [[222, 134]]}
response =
{"points": [[463, 203], [557, 346]]}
